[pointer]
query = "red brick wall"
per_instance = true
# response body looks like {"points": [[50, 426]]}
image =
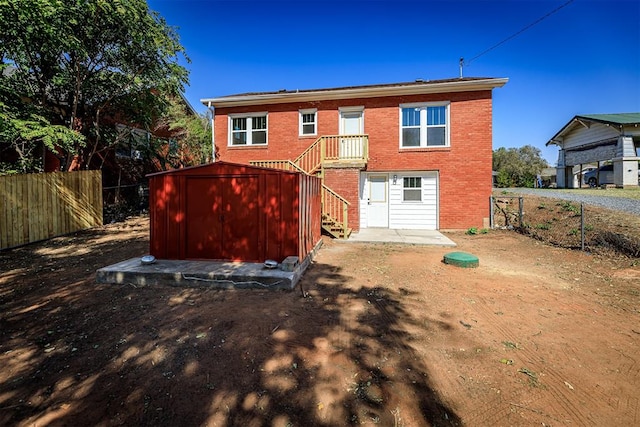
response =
{"points": [[345, 182], [464, 167]]}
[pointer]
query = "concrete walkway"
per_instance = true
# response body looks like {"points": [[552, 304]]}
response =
{"points": [[412, 237]]}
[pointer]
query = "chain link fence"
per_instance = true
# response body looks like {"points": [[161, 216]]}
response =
{"points": [[566, 224]]}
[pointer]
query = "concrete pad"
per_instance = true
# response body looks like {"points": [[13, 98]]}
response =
{"points": [[412, 237], [221, 275]]}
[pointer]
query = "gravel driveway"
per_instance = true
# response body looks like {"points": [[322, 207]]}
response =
{"points": [[616, 203]]}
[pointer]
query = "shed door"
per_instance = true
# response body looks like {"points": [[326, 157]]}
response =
{"points": [[222, 218], [240, 218]]}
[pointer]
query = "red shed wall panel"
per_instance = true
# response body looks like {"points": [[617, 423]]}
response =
{"points": [[231, 212], [282, 221], [464, 167], [310, 213]]}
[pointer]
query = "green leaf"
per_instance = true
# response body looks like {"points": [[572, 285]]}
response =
{"points": [[73, 69]]}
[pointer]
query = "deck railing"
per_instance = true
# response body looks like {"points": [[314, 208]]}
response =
{"points": [[351, 148], [346, 147]]}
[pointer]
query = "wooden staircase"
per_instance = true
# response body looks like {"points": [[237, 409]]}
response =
{"points": [[335, 220], [334, 149]]}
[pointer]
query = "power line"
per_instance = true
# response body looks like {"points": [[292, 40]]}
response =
{"points": [[463, 62]]}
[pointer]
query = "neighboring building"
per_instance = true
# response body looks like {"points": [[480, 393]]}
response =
{"points": [[597, 138], [413, 155], [548, 176]]}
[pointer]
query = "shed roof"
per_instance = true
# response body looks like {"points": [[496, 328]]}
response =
{"points": [[220, 166], [617, 119], [367, 91]]}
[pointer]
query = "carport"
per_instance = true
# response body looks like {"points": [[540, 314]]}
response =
{"points": [[595, 139]]}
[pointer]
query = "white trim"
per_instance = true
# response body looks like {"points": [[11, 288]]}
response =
{"points": [[422, 214], [425, 104], [249, 143], [423, 127], [313, 111], [379, 207], [351, 109], [357, 92], [412, 189], [413, 214], [347, 110], [213, 132], [252, 114]]}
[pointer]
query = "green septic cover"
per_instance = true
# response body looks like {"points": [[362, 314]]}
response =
{"points": [[461, 259]]}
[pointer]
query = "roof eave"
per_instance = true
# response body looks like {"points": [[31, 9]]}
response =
{"points": [[353, 93], [562, 132], [188, 104], [578, 119]]}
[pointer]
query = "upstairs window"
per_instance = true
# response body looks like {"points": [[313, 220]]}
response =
{"points": [[248, 130], [412, 189], [424, 126], [308, 122]]}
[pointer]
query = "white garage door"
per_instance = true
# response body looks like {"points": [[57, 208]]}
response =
{"points": [[412, 200]]}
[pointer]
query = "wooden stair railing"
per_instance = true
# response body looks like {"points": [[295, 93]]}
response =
{"points": [[311, 161], [285, 165], [335, 218]]}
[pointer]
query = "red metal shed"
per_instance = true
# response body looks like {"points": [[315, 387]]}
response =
{"points": [[227, 211]]}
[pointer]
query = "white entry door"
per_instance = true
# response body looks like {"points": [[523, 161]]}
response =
{"points": [[351, 123], [378, 203]]}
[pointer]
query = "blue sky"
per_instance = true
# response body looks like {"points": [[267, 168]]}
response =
{"points": [[581, 59]]}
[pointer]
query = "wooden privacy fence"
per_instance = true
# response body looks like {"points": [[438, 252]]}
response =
{"points": [[39, 206]]}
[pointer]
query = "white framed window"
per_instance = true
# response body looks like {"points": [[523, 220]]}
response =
{"points": [[308, 122], [248, 129], [424, 125], [412, 189]]}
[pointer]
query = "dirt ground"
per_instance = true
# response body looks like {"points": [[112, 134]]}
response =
{"points": [[382, 335]]}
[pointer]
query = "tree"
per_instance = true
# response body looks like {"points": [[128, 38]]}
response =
{"points": [[89, 64], [192, 132], [26, 129], [518, 167]]}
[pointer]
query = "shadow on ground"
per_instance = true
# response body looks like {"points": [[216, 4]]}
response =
{"points": [[74, 352]]}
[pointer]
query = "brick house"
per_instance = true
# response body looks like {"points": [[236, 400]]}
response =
{"points": [[413, 155]]}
